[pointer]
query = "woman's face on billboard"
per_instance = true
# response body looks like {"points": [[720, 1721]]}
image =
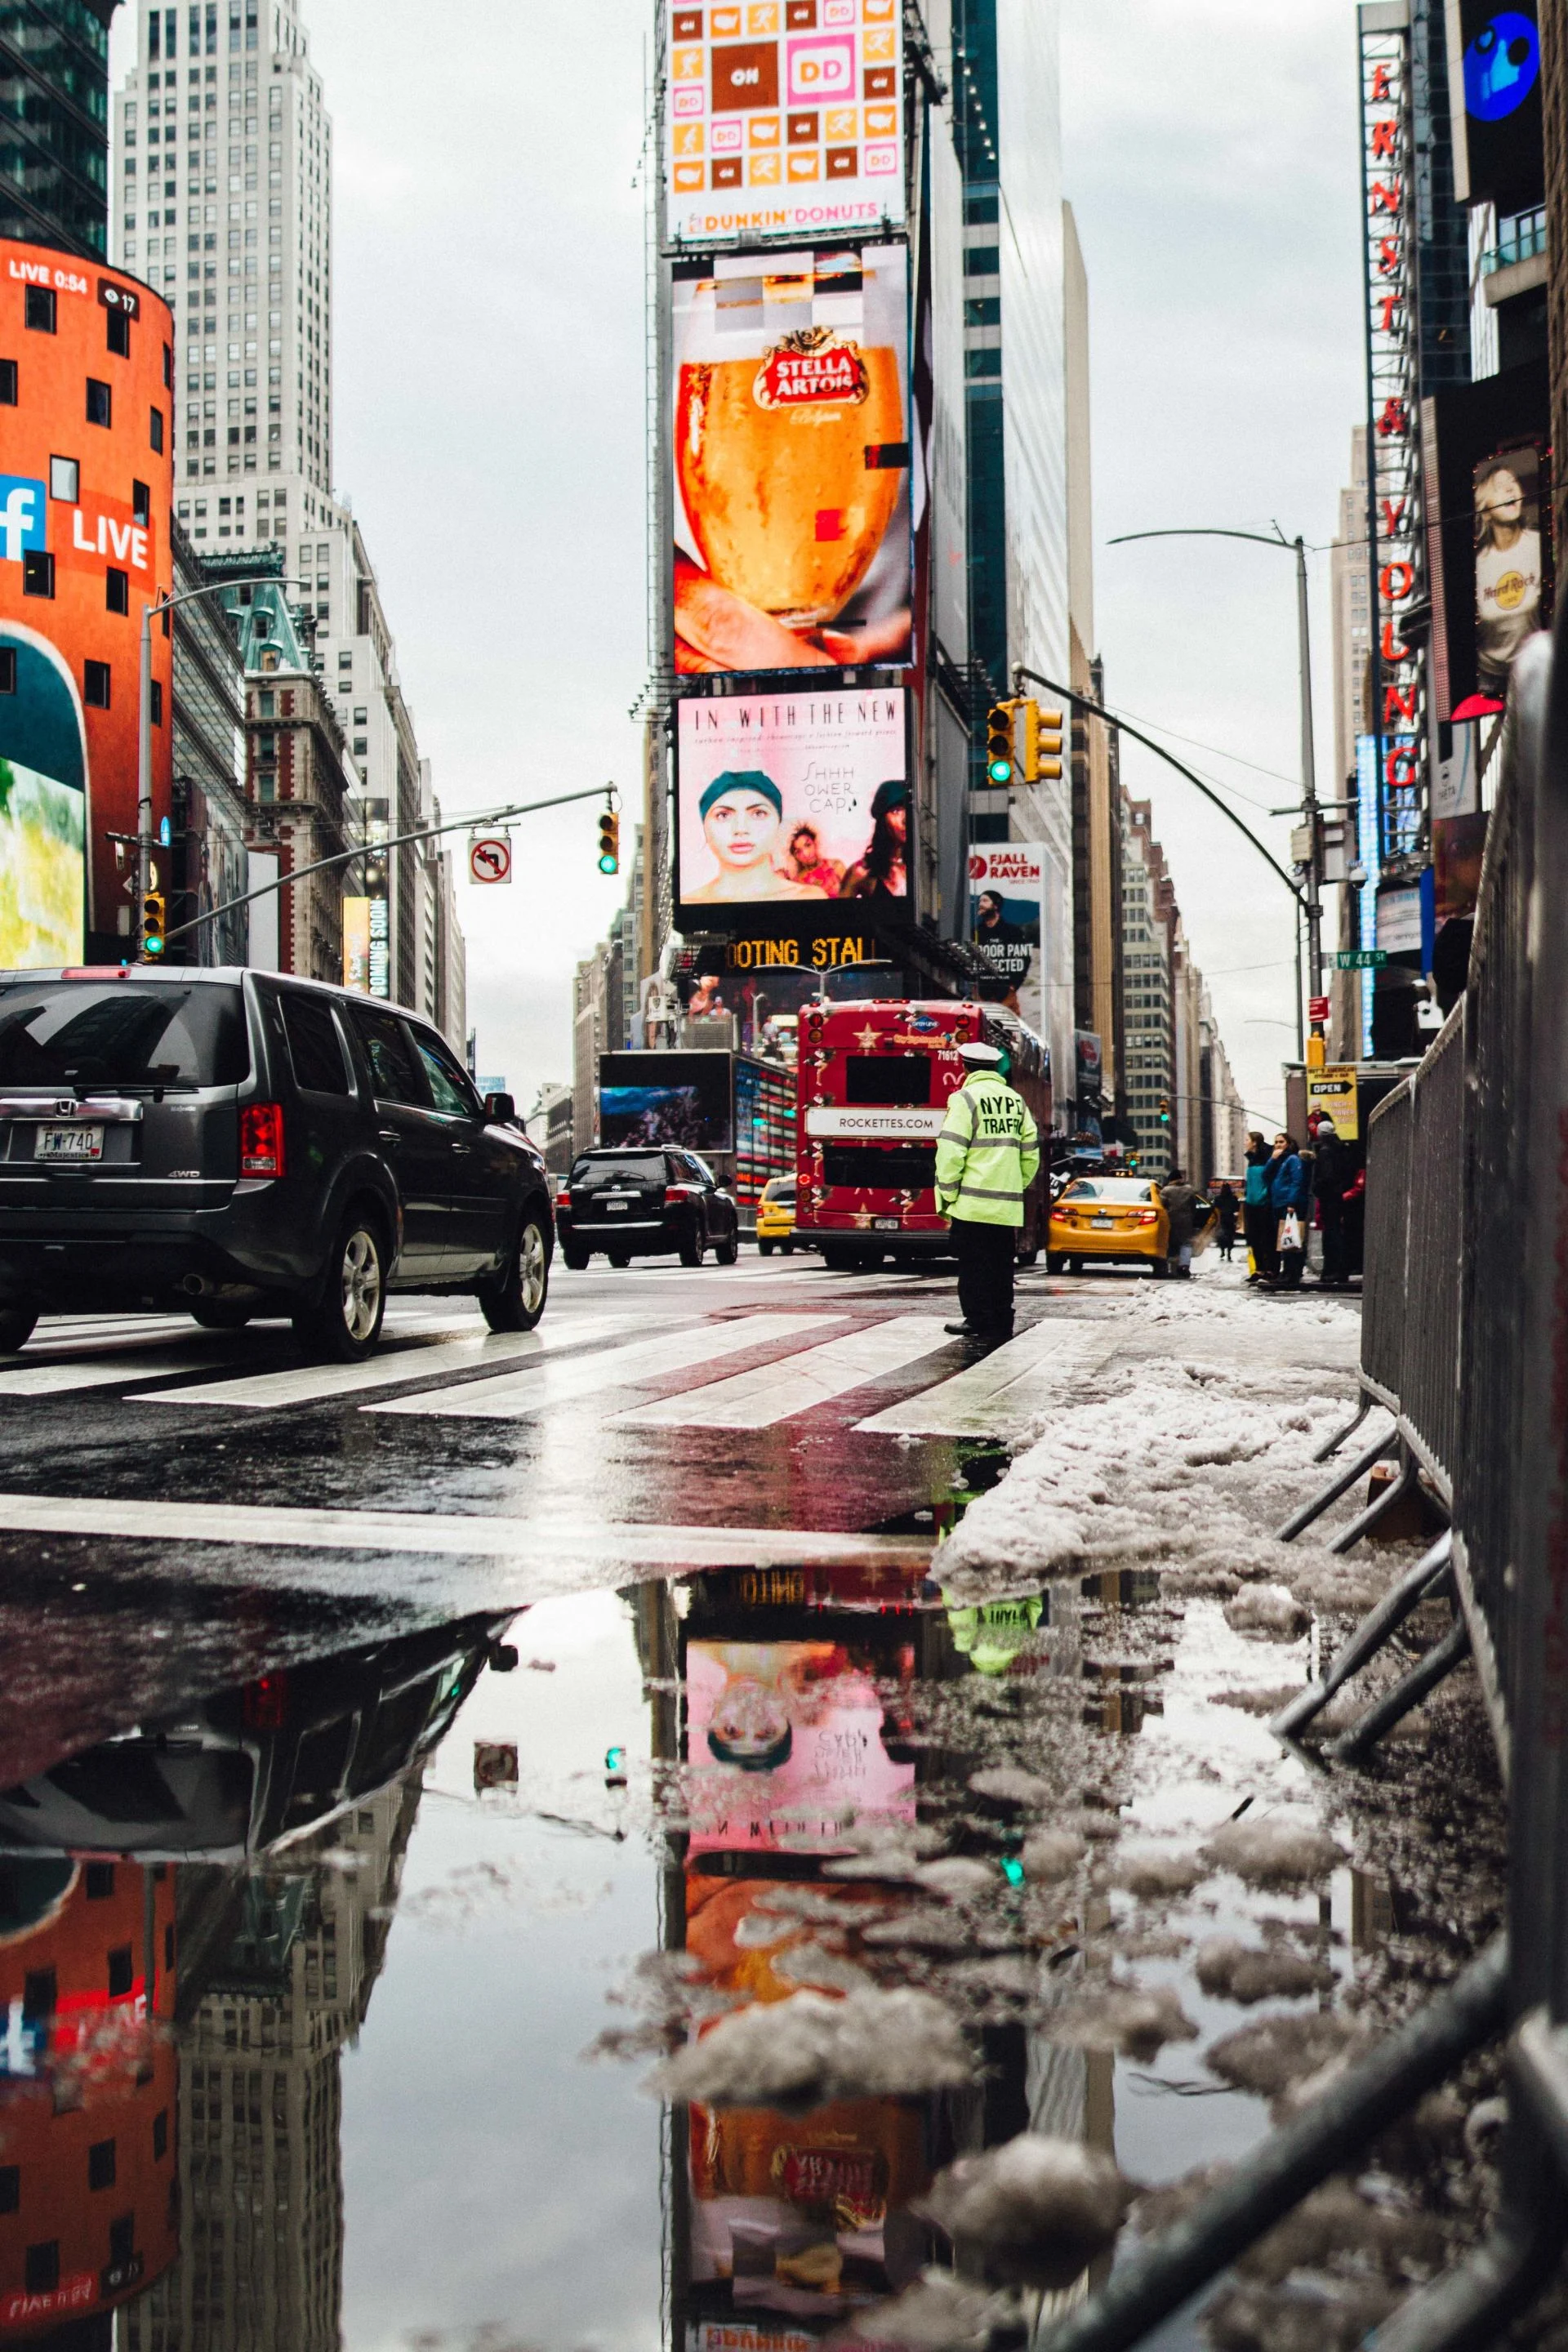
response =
{"points": [[1501, 499], [739, 828]]}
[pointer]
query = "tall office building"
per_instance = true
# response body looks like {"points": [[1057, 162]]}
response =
{"points": [[54, 123], [224, 201]]}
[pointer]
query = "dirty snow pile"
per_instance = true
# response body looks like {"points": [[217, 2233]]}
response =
{"points": [[1031, 2213], [1177, 1459], [799, 2053]]}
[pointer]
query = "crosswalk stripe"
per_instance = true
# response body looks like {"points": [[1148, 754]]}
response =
{"points": [[514, 1396], [421, 1361], [24, 1380], [272, 1528], [755, 1400], [1005, 1391]]}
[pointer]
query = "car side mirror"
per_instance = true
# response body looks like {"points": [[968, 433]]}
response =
{"points": [[500, 1109]]}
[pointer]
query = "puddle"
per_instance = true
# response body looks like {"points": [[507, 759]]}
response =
{"points": [[332, 1997]]}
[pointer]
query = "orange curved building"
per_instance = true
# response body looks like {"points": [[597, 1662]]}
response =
{"points": [[86, 475], [88, 2201]]}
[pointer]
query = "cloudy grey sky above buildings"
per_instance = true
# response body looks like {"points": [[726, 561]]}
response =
{"points": [[489, 427]]}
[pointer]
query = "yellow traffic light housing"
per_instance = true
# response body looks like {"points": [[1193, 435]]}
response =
{"points": [[153, 924], [999, 743], [1042, 743], [609, 842]]}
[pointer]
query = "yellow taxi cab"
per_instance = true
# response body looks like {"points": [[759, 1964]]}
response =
{"points": [[1116, 1219], [775, 1216]]}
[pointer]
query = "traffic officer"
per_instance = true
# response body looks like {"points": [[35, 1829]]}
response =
{"points": [[987, 1155]]}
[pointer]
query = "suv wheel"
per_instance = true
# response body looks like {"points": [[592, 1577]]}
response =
{"points": [[15, 1327], [515, 1300], [343, 1322], [693, 1247], [575, 1260], [221, 1314], [727, 1252]]}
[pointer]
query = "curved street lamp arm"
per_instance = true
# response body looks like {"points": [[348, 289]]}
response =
{"points": [[1206, 530], [1098, 711]]}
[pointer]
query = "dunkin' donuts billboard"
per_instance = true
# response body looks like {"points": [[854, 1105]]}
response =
{"points": [[785, 119], [792, 460]]}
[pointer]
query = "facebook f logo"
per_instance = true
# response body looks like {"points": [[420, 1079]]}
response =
{"points": [[23, 509]]}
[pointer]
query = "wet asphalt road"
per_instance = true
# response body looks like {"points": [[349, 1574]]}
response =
{"points": [[393, 1768]]}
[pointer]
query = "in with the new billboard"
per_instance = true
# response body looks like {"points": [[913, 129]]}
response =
{"points": [[790, 409], [785, 799], [785, 119]]}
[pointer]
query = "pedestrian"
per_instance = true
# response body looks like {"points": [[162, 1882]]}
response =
{"points": [[987, 1156], [1224, 1208], [1257, 1216], [1332, 1174], [1179, 1199], [1290, 1198]]}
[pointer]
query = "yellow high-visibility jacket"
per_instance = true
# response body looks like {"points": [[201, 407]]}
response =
{"points": [[987, 1154]]}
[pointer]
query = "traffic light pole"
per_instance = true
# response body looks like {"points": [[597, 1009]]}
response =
{"points": [[398, 841]]}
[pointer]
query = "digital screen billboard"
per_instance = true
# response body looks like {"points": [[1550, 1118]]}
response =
{"points": [[1006, 920], [791, 502], [785, 119], [43, 806], [1501, 73], [785, 799], [1492, 569], [680, 1098]]}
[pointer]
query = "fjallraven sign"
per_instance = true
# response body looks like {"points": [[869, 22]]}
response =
{"points": [[987, 1154]]}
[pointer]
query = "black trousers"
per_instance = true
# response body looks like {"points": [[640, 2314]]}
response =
{"points": [[1262, 1225], [986, 1254]]}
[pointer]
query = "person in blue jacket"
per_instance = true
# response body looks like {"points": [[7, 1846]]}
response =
{"points": [[1290, 1190], [1257, 1216]]}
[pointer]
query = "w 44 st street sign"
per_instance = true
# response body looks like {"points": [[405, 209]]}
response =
{"points": [[1359, 959]]}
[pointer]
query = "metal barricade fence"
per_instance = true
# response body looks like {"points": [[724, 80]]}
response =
{"points": [[1465, 1340]]}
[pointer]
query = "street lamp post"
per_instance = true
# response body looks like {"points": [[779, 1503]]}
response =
{"points": [[145, 839], [1309, 811]]}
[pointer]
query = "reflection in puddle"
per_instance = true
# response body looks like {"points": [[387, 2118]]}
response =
{"points": [[301, 1983]]}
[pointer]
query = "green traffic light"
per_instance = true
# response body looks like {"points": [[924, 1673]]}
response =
{"points": [[153, 945], [609, 862], [1000, 772]]}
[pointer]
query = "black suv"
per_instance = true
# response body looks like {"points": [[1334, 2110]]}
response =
{"points": [[241, 1144], [637, 1202]]}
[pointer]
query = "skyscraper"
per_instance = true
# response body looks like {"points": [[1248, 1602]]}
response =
{"points": [[54, 123], [224, 201]]}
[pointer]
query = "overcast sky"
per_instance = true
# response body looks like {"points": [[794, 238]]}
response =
{"points": [[489, 427]]}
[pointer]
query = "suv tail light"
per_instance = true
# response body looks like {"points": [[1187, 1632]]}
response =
{"points": [[681, 1192], [261, 1139]]}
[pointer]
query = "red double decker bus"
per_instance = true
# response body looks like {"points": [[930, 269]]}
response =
{"points": [[871, 1095]]}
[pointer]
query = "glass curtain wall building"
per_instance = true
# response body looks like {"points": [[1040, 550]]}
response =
{"points": [[54, 123]]}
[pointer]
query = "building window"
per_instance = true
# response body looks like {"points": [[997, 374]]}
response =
{"points": [[7, 384], [118, 333], [157, 704], [7, 669], [142, 502], [95, 685], [41, 2265], [38, 312], [100, 402], [160, 2134], [65, 480], [122, 1965], [155, 431], [116, 591], [10, 2187], [99, 1876], [100, 2164], [37, 574]]}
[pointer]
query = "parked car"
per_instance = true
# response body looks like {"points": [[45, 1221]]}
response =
{"points": [[240, 1143], [775, 1216], [633, 1202]]}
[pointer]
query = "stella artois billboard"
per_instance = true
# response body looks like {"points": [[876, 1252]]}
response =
{"points": [[785, 119], [792, 496]]}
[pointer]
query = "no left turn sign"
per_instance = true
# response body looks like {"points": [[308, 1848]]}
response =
{"points": [[489, 858]]}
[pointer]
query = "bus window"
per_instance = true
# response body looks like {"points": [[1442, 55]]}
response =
{"points": [[888, 1080], [909, 1167]]}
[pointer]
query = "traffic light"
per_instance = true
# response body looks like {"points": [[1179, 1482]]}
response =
{"points": [[609, 842], [1164, 1110], [999, 743], [1042, 743], [153, 923]]}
